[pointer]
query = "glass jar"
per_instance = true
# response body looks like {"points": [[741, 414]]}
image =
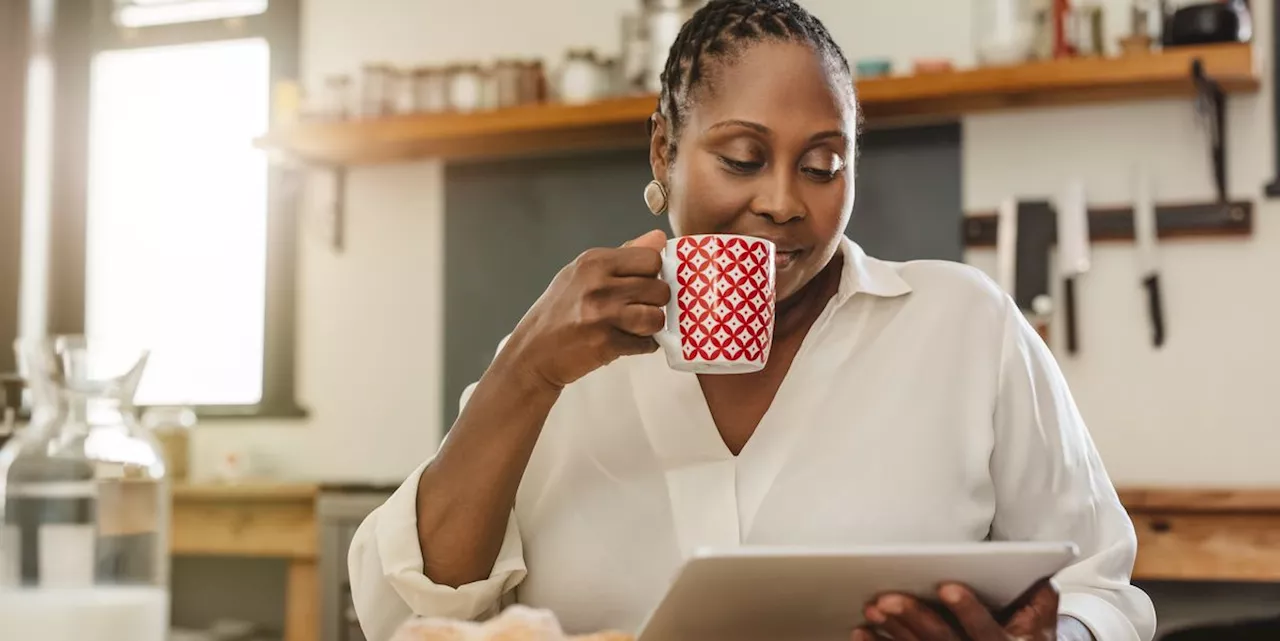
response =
{"points": [[663, 20], [1004, 31], [506, 80], [375, 91], [11, 392], [84, 502], [466, 88], [431, 86], [172, 428], [337, 103], [581, 77], [401, 90]]}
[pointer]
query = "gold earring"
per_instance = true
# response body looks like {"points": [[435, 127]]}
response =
{"points": [[655, 196]]}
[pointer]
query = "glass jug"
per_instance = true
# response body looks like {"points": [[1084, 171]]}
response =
{"points": [[84, 502]]}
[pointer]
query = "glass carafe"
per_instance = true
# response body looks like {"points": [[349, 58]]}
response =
{"points": [[84, 502]]}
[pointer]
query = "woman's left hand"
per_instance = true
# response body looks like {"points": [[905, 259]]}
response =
{"points": [[908, 619]]}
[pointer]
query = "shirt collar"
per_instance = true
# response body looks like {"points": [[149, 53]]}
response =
{"points": [[863, 274]]}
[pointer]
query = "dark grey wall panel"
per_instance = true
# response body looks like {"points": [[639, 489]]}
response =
{"points": [[909, 204], [511, 225]]}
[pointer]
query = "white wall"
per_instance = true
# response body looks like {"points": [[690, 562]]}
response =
{"points": [[370, 341]]}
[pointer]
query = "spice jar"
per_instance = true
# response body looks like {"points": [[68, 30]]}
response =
{"points": [[403, 98], [581, 77], [172, 427], [488, 88], [432, 90], [506, 76], [466, 88], [538, 80], [375, 90], [337, 101], [530, 86]]}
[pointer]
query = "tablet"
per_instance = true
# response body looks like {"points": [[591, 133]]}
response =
{"points": [[817, 594]]}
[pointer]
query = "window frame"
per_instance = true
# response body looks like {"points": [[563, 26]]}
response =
{"points": [[80, 32], [15, 27]]}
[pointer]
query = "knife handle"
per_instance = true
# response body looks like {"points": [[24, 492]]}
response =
{"points": [[1069, 299], [1155, 308]]}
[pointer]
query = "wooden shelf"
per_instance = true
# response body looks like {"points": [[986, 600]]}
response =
{"points": [[892, 101]]}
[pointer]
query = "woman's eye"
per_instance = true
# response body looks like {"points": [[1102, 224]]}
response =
{"points": [[822, 175], [741, 166]]}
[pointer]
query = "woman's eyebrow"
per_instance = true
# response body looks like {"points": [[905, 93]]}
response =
{"points": [[754, 126], [825, 135]]}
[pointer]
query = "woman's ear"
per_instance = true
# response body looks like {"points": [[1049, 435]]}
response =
{"points": [[659, 148]]}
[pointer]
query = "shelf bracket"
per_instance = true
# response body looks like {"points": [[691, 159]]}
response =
{"points": [[1211, 103], [1273, 188]]}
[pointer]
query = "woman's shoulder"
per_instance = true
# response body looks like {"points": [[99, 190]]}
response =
{"points": [[944, 282]]}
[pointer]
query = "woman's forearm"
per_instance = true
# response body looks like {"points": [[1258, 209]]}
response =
{"points": [[466, 494]]}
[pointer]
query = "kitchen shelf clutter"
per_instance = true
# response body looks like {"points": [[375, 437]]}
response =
{"points": [[886, 102]]}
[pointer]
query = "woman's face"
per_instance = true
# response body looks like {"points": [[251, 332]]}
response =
{"points": [[767, 151]]}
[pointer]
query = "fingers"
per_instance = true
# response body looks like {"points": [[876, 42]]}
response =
{"points": [[913, 617], [639, 319], [655, 239], [971, 613], [638, 289], [636, 261], [863, 634], [899, 631], [624, 261], [1035, 612], [625, 344]]}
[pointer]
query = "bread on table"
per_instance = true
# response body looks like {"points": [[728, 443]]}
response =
{"points": [[516, 623]]}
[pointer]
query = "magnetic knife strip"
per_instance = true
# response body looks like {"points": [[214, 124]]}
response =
{"points": [[1038, 231]]}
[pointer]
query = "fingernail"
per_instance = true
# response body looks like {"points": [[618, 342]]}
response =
{"points": [[952, 594], [892, 605], [875, 616]]}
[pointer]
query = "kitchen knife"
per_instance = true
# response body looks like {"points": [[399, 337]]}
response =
{"points": [[1073, 253], [1007, 245], [1145, 232]]}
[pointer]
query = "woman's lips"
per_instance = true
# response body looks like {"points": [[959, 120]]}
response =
{"points": [[784, 259]]}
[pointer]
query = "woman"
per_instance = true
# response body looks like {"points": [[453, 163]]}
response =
{"points": [[901, 402]]}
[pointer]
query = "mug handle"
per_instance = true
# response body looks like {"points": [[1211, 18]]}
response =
{"points": [[668, 337]]}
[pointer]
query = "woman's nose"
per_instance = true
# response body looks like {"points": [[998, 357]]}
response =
{"points": [[780, 199]]}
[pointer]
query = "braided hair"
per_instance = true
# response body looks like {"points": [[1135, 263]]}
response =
{"points": [[719, 31]]}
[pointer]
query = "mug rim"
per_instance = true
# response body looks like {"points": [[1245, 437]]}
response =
{"points": [[743, 236]]}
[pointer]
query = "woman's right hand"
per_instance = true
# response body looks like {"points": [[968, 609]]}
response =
{"points": [[607, 303]]}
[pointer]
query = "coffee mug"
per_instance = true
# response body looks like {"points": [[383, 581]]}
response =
{"points": [[720, 316]]}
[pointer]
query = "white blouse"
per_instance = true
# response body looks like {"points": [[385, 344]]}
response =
{"points": [[921, 407]]}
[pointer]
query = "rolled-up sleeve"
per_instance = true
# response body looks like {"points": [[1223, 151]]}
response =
{"points": [[388, 584], [1050, 484]]}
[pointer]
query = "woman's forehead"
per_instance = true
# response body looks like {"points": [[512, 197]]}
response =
{"points": [[779, 84]]}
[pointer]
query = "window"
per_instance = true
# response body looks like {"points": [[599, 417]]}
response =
{"points": [[181, 238], [177, 216]]}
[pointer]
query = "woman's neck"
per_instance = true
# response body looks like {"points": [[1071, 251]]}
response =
{"points": [[799, 311]]}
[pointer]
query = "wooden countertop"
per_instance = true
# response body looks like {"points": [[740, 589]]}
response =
{"points": [[247, 491], [1205, 500]]}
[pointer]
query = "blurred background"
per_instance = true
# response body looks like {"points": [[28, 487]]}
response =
{"points": [[322, 215]]}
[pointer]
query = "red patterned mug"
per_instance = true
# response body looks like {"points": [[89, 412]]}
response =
{"points": [[720, 318]]}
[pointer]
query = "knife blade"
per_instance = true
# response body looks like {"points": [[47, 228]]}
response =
{"points": [[1145, 234], [1073, 253], [1007, 245]]}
